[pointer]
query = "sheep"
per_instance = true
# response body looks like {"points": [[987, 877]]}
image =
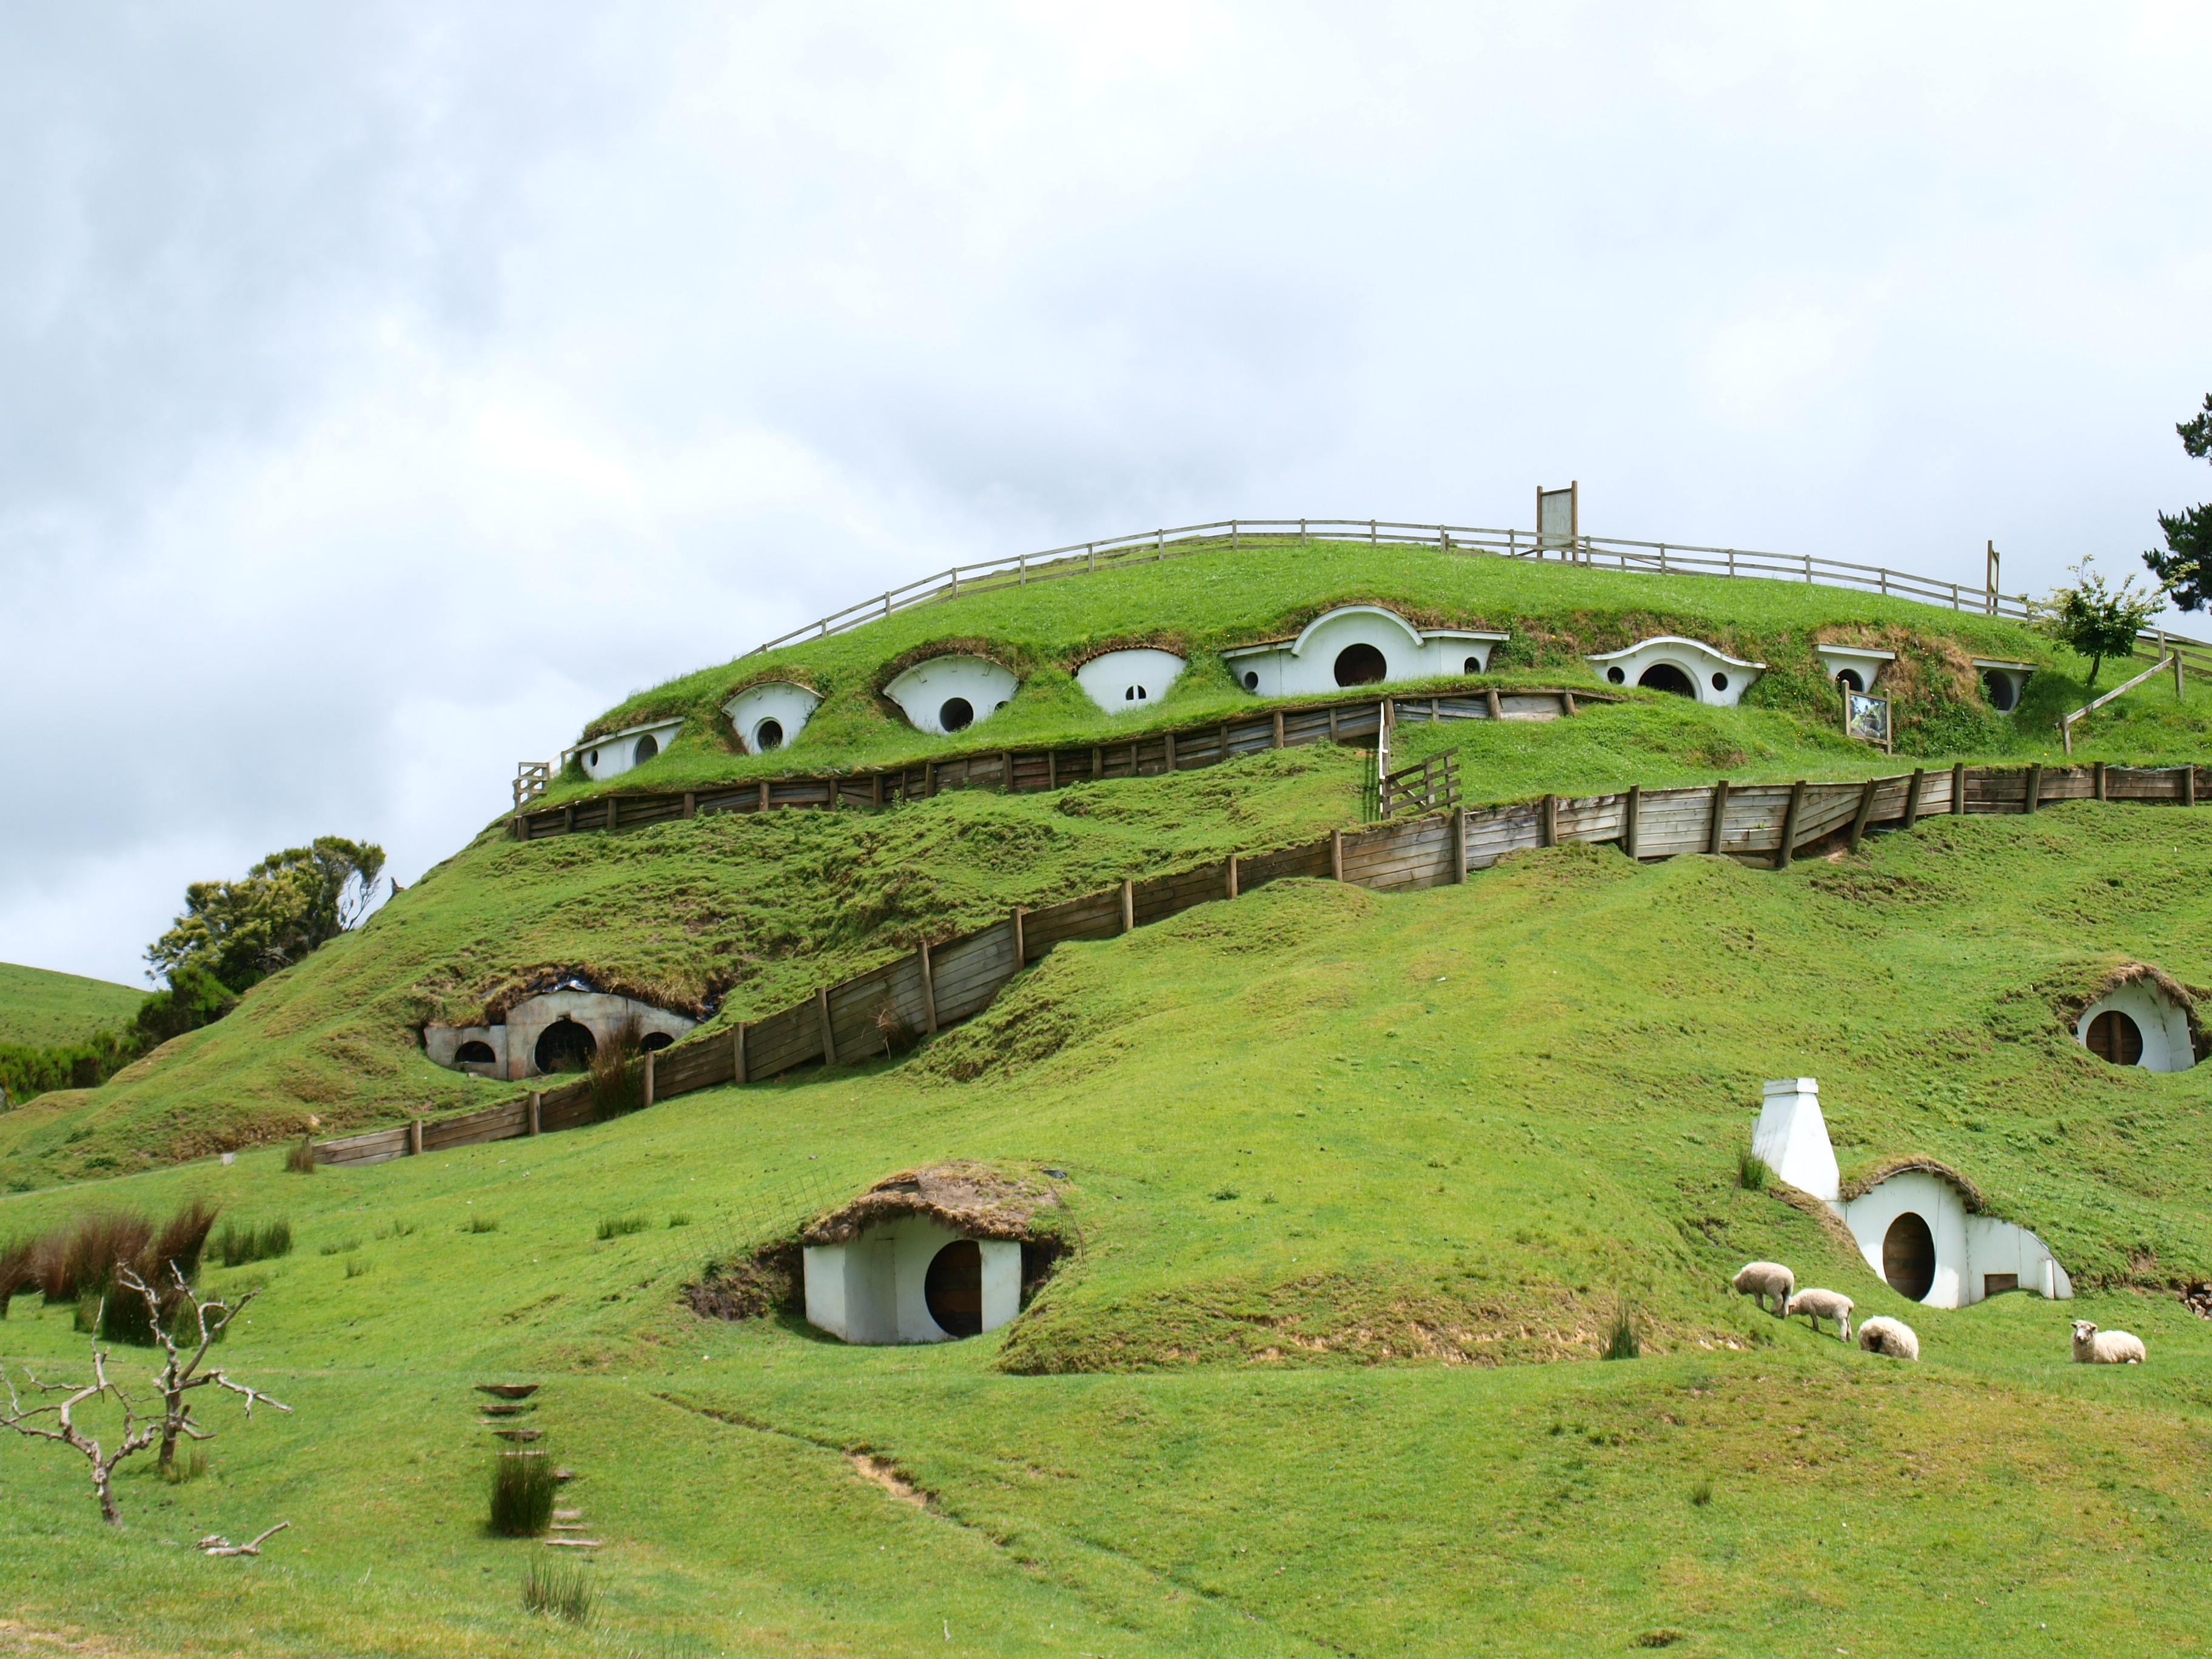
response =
{"points": [[1760, 1279], [2094, 1348], [1882, 1334], [1817, 1305]]}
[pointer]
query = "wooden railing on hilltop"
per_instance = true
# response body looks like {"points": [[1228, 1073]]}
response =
{"points": [[942, 983]]}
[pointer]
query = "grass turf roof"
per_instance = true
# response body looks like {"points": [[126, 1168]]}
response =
{"points": [[43, 1008], [1519, 1096]]}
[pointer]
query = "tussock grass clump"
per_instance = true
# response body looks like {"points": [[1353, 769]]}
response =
{"points": [[337, 1246], [77, 1263], [482, 1223], [681, 1218], [1621, 1339], [522, 1488], [1750, 1171], [236, 1246], [16, 1270], [182, 1471], [559, 1588], [620, 1226], [355, 1267], [1702, 1493], [300, 1160], [617, 1079]]}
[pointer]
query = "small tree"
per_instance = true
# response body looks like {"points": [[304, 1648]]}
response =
{"points": [[182, 1373], [2185, 567], [2094, 619], [288, 905]]}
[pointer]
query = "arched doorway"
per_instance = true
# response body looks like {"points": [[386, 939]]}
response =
{"points": [[1850, 680], [957, 715], [1908, 1256], [648, 747], [1665, 677], [565, 1046], [2114, 1036], [1360, 665], [654, 1041], [1998, 688], [474, 1053], [953, 1288]]}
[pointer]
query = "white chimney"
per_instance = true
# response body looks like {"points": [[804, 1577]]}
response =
{"points": [[1792, 1136]]}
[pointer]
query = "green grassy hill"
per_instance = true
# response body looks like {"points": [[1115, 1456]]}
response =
{"points": [[42, 1008], [1357, 1182]]}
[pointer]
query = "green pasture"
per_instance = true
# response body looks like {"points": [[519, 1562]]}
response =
{"points": [[1344, 1168], [43, 1009]]}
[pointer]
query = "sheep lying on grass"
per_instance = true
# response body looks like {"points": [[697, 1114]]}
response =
{"points": [[1882, 1334], [1760, 1279], [1817, 1305], [2094, 1348]]}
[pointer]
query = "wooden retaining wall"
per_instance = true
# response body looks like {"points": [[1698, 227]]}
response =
{"points": [[943, 983], [1027, 771]]}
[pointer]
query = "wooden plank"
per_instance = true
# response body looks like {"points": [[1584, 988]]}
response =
{"points": [[1719, 819], [970, 971]]}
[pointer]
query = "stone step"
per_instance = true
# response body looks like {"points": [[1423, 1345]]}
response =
{"points": [[571, 1543]]}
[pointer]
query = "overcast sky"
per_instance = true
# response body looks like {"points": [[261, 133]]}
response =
{"points": [[386, 390]]}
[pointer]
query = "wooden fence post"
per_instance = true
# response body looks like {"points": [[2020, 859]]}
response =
{"points": [[1547, 822], [1128, 905], [737, 1054], [614, 812], [690, 804], [2187, 780], [1098, 763], [414, 1137], [1006, 771], [764, 795], [2031, 790], [1630, 813], [535, 1112], [828, 1036], [1720, 816], [2096, 779], [1279, 728], [1958, 791], [1788, 850], [1866, 810], [928, 990], [1168, 740], [1021, 945], [1231, 881], [1567, 703], [1459, 844], [1497, 709], [1052, 768], [1912, 797], [651, 1055], [1336, 855]]}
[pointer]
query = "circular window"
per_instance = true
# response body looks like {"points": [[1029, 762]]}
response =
{"points": [[1616, 674], [2115, 1037], [957, 714], [595, 757], [767, 735], [1720, 682], [1908, 1256], [654, 1041], [474, 1054], [1998, 688], [1849, 679], [1665, 677], [565, 1046], [953, 1288], [647, 749], [1251, 680], [1471, 666], [1360, 665]]}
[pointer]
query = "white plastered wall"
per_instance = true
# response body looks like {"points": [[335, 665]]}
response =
{"points": [[923, 690], [872, 1291], [2164, 1026], [788, 705], [1968, 1247], [1307, 665], [1865, 664], [611, 757], [443, 1044], [1699, 664], [1122, 682]]}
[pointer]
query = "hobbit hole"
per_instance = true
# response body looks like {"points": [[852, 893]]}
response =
{"points": [[1360, 665], [1356, 645], [767, 736], [2115, 1037], [475, 1053], [1665, 677], [1908, 1256], [565, 1046], [648, 747], [1684, 667], [611, 756], [953, 1288], [2143, 1019], [654, 1041], [949, 694], [553, 1030], [1119, 680], [955, 714], [1998, 690], [1849, 679], [771, 714]]}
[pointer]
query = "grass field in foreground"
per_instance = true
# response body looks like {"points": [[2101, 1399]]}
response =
{"points": [[1320, 1144], [43, 1009]]}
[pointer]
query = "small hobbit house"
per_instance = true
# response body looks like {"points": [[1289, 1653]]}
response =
{"points": [[1122, 682], [2003, 681], [1356, 645], [951, 693], [1918, 1223], [558, 1031], [2140, 1017], [1855, 668], [930, 1255], [1685, 667], [610, 756], [769, 716]]}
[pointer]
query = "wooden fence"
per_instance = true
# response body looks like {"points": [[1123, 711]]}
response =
{"points": [[940, 984], [1028, 770]]}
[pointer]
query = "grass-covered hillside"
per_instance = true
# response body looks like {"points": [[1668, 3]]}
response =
{"points": [[41, 1008], [1357, 1182], [736, 916]]}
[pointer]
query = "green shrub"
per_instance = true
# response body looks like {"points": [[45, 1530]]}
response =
{"points": [[236, 1246], [561, 1588], [1620, 1340], [1750, 1171], [300, 1160], [522, 1487], [620, 1226]]}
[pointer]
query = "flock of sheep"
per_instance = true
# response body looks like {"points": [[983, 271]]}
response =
{"points": [[1882, 1334]]}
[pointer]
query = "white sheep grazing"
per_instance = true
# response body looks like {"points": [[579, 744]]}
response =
{"points": [[2094, 1348], [1817, 1305], [1882, 1334], [1760, 1279]]}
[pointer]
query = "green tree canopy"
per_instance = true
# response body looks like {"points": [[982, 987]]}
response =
{"points": [[2094, 619], [2185, 567], [288, 905]]}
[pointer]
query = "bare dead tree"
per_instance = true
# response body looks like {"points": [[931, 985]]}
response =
{"points": [[216, 1544], [181, 1366], [182, 1369]]}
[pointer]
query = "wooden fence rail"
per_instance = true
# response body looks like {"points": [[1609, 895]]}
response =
{"points": [[941, 983], [1024, 771]]}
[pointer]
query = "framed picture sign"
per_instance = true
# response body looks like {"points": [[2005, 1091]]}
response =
{"points": [[1866, 717]]}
